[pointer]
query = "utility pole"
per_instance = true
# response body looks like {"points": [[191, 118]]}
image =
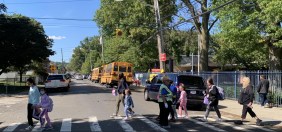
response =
{"points": [[62, 70], [160, 39], [90, 57], [101, 42]]}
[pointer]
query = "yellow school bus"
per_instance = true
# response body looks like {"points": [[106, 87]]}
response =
{"points": [[96, 74], [112, 70]]}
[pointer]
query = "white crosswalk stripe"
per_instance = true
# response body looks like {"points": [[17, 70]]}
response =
{"points": [[66, 125], [37, 128], [126, 127], [94, 125], [228, 124], [11, 127], [258, 127], [151, 124], [207, 125]]}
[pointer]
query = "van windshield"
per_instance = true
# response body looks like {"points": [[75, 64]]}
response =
{"points": [[191, 81]]}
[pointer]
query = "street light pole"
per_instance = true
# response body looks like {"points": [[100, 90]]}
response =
{"points": [[160, 39]]}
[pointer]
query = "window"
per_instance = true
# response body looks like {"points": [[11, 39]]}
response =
{"points": [[122, 68], [109, 68], [55, 77], [129, 69], [191, 81], [115, 68], [154, 80]]}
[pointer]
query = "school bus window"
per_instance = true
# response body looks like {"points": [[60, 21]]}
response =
{"points": [[115, 68], [122, 69], [109, 67], [129, 69]]}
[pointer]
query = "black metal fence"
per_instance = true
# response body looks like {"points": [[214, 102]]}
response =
{"points": [[230, 81], [12, 85]]}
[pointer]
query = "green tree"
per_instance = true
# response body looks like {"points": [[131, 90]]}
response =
{"points": [[137, 23], [3, 8], [253, 27], [86, 54], [23, 41], [203, 24]]}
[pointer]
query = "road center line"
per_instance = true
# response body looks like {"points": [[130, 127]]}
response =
{"points": [[94, 125], [66, 125]]}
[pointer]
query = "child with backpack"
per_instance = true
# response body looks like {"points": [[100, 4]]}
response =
{"points": [[128, 104], [46, 104]]}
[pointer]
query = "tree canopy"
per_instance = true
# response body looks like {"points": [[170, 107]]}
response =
{"points": [[252, 30], [22, 41]]}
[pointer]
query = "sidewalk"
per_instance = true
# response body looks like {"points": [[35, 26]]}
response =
{"points": [[270, 116]]}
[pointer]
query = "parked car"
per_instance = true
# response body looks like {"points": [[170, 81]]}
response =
{"points": [[78, 77], [59, 81], [194, 87]]}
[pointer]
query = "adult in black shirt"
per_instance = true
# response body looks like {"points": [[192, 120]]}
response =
{"points": [[263, 89], [246, 99]]}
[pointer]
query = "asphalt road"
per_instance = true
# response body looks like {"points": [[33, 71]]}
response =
{"points": [[88, 106]]}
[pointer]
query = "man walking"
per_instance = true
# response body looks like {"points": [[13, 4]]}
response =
{"points": [[262, 89]]}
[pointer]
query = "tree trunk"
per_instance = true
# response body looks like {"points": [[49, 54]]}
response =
{"points": [[275, 58], [204, 44]]}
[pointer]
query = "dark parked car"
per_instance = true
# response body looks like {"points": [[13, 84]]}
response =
{"points": [[194, 87]]}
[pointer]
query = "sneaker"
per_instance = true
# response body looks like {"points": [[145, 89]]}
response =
{"points": [[113, 115], [205, 119], [132, 113], [172, 120], [166, 127], [266, 105], [218, 120], [48, 128], [258, 123], [125, 118], [29, 128], [186, 117]]}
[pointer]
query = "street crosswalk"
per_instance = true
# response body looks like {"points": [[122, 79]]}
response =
{"points": [[93, 124]]}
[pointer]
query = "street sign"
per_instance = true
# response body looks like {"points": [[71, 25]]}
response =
{"points": [[163, 57]]}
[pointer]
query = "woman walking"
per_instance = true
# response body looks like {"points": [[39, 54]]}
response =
{"points": [[246, 99], [33, 100], [212, 95], [122, 85]]}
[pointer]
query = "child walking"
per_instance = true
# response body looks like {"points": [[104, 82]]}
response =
{"points": [[128, 104], [46, 104], [182, 101]]}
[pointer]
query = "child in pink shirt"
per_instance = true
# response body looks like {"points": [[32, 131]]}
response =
{"points": [[182, 101]]}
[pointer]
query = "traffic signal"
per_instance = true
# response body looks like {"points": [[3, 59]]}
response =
{"points": [[118, 32]]}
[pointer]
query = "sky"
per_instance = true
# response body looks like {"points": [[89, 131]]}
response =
{"points": [[66, 34]]}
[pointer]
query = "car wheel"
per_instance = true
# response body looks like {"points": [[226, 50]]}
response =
{"points": [[146, 95]]}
